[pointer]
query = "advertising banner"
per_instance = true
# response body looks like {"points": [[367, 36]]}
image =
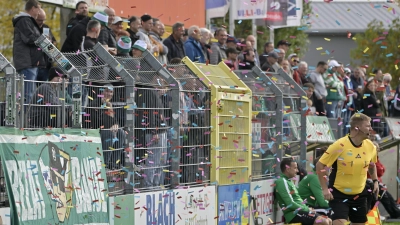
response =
{"points": [[263, 208], [53, 177], [234, 204], [122, 209], [319, 130], [178, 206], [277, 12], [217, 8], [249, 9]]}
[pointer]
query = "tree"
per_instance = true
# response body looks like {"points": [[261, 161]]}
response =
{"points": [[297, 37], [379, 48], [9, 9]]}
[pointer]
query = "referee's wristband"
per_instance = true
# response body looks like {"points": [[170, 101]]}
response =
{"points": [[375, 181]]}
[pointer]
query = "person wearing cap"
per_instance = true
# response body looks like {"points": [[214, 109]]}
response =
{"points": [[124, 46], [293, 60], [231, 61], [155, 37], [46, 94], [231, 42], [106, 37], [272, 58], [335, 88], [116, 26], [268, 47], [138, 48], [193, 47], [174, 42], [284, 44]]}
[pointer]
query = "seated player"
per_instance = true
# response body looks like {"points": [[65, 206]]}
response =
{"points": [[290, 201]]}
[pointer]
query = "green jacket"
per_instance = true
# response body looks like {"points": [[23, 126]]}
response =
{"points": [[336, 90], [310, 189], [288, 198]]}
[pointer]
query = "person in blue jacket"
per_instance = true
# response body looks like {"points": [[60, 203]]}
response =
{"points": [[193, 47]]}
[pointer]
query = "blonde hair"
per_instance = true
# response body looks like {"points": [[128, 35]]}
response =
{"points": [[357, 119]]}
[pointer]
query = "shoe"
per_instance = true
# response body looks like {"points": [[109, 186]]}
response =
{"points": [[382, 218]]}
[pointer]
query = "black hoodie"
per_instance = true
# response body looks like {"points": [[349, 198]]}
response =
{"points": [[74, 21], [75, 36]]}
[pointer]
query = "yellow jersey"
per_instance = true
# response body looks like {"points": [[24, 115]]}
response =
{"points": [[349, 164]]}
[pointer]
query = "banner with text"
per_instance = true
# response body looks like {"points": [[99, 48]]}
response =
{"points": [[234, 204], [262, 193], [53, 177], [249, 9], [178, 206]]}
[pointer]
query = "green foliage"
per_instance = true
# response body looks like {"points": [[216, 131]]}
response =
{"points": [[9, 9], [379, 48], [243, 28]]}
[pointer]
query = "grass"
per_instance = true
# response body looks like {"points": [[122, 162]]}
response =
{"points": [[394, 223]]}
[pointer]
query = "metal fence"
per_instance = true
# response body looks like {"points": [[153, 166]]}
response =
{"points": [[266, 122], [194, 126]]}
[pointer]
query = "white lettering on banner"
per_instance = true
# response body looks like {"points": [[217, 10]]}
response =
{"points": [[230, 210], [249, 10], [25, 182], [88, 192]]}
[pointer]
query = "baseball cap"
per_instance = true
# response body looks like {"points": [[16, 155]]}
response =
{"points": [[231, 39], [333, 63], [291, 56], [117, 19], [347, 70], [284, 42], [273, 54]]}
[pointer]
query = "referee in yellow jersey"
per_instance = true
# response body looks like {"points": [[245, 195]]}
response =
{"points": [[349, 158]]}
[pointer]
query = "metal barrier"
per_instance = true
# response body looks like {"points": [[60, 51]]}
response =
{"points": [[156, 132], [230, 123], [266, 128], [194, 126], [8, 104]]}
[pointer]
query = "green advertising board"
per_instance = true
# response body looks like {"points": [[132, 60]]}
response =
{"points": [[54, 177]]}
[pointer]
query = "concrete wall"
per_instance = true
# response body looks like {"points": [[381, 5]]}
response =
{"points": [[339, 44]]}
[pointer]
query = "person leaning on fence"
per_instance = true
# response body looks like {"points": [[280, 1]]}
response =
{"points": [[350, 158], [44, 107], [289, 199], [112, 135]]}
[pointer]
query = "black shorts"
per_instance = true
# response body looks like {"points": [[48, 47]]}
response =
{"points": [[305, 218], [353, 207]]}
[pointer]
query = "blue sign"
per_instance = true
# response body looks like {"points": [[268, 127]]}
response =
{"points": [[234, 204], [292, 8]]}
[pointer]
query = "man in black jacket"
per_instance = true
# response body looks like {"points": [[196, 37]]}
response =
{"points": [[174, 42], [26, 55], [106, 37], [81, 11], [75, 36]]}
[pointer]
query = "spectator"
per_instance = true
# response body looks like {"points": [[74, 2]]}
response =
{"points": [[317, 79], [133, 30], [26, 55], [193, 47], [358, 85], [294, 60], [286, 67], [371, 105], [232, 61], [311, 109], [378, 75], [302, 73], [75, 36], [272, 58], [185, 36], [124, 46], [284, 45], [387, 96], [174, 42], [43, 71], [396, 103], [317, 103], [268, 47], [138, 48], [155, 37], [92, 33], [46, 94], [107, 37], [218, 49], [252, 41], [289, 199], [116, 26], [350, 105], [231, 42], [335, 89], [249, 60], [205, 42], [281, 55], [144, 34], [310, 189], [81, 12]]}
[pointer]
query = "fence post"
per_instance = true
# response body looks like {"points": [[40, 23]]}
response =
{"points": [[10, 77]]}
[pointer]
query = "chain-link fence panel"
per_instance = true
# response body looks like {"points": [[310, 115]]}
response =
{"points": [[266, 130], [194, 125]]}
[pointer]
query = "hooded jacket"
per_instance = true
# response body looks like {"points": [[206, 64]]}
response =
{"points": [[25, 53], [73, 21], [194, 50], [75, 36]]}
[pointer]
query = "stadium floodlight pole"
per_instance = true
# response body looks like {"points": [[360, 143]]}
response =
{"points": [[231, 20]]}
